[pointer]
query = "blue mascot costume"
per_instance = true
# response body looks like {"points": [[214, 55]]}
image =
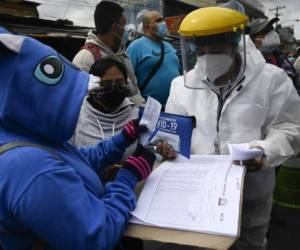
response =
{"points": [[50, 190]]}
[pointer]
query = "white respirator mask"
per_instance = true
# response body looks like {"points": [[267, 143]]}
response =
{"points": [[214, 65], [270, 42]]}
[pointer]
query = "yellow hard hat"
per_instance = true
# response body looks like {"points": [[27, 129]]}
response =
{"points": [[212, 21]]}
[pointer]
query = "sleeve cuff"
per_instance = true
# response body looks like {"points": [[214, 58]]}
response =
{"points": [[121, 140], [274, 155], [126, 177]]}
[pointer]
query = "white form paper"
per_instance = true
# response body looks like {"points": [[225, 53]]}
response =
{"points": [[149, 118], [243, 152], [202, 194]]}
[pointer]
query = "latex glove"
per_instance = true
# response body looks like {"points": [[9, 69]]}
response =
{"points": [[132, 130], [140, 163], [94, 83]]}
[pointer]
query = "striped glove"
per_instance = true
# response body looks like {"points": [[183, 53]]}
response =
{"points": [[132, 130], [140, 163]]}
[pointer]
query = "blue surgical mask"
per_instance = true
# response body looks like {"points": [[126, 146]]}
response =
{"points": [[291, 59], [162, 30]]}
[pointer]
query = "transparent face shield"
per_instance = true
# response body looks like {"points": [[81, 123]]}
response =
{"points": [[217, 60]]}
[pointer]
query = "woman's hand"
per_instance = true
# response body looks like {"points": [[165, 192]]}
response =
{"points": [[165, 150]]}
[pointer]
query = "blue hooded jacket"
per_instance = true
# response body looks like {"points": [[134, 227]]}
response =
{"points": [[56, 196]]}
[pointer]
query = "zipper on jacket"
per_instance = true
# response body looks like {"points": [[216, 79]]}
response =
{"points": [[217, 145], [219, 111], [221, 102]]}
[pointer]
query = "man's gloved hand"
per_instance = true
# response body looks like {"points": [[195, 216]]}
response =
{"points": [[94, 83], [140, 163], [132, 130]]}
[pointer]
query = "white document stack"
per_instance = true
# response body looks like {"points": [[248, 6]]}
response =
{"points": [[202, 194]]}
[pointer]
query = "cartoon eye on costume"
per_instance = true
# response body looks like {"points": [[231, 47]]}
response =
{"points": [[50, 70]]}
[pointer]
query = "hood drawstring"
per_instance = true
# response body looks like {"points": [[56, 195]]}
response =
{"points": [[101, 129]]}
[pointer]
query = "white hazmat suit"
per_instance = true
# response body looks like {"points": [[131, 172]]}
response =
{"points": [[263, 110]]}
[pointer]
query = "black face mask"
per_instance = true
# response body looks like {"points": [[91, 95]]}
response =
{"points": [[111, 98]]}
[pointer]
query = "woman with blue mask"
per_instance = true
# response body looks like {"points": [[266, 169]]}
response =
{"points": [[155, 61]]}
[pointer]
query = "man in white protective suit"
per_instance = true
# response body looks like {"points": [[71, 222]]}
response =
{"points": [[237, 97]]}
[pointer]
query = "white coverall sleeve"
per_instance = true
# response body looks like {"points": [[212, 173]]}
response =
{"points": [[297, 65], [173, 104], [282, 127]]}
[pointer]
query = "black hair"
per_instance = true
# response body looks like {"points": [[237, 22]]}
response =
{"points": [[106, 14], [102, 65]]}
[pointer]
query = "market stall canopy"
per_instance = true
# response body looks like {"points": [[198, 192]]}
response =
{"points": [[19, 8]]}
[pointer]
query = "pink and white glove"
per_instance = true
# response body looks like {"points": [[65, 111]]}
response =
{"points": [[140, 163], [132, 130]]}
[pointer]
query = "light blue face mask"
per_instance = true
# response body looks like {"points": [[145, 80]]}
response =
{"points": [[162, 30], [291, 59]]}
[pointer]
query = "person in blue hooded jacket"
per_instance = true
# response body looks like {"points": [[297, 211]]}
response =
{"points": [[50, 191]]}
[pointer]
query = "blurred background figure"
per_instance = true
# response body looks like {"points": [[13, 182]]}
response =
{"points": [[109, 39], [129, 33], [267, 40], [155, 61], [291, 56], [139, 22]]}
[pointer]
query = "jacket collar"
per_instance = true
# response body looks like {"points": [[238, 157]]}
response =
{"points": [[93, 38]]}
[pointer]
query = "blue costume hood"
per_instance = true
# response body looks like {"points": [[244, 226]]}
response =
{"points": [[40, 91]]}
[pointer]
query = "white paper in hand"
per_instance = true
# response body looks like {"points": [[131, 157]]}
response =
{"points": [[243, 152], [150, 118]]}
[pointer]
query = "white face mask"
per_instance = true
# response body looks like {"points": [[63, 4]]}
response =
{"points": [[214, 65], [270, 42]]}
